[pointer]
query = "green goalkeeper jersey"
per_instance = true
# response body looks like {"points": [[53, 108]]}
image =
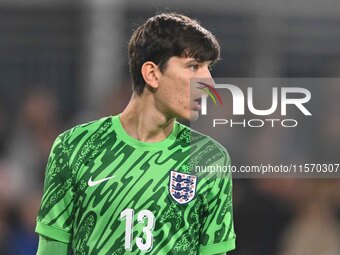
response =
{"points": [[108, 193]]}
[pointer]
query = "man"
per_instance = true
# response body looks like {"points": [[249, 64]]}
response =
{"points": [[126, 184]]}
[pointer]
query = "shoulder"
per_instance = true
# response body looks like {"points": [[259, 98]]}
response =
{"points": [[95, 127], [202, 143], [84, 140]]}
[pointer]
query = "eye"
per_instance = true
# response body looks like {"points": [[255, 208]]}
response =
{"points": [[193, 67]]}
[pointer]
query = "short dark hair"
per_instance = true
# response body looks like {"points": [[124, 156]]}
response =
{"points": [[167, 35]]}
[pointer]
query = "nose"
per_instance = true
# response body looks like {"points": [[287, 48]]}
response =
{"points": [[205, 77], [206, 73]]}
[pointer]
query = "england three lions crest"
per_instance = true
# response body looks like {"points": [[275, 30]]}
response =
{"points": [[182, 187]]}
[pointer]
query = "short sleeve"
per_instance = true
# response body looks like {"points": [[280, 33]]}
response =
{"points": [[218, 234], [55, 214]]}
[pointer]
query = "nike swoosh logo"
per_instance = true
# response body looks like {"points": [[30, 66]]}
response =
{"points": [[94, 183]]}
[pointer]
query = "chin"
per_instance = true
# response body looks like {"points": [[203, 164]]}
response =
{"points": [[193, 116]]}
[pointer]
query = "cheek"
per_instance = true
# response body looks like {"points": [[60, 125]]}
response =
{"points": [[176, 92], [184, 97]]}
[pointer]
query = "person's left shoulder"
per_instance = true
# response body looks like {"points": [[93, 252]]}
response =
{"points": [[206, 140], [204, 145]]}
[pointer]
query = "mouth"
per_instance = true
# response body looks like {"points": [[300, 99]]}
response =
{"points": [[202, 85], [196, 105]]}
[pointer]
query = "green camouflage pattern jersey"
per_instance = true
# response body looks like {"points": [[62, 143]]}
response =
{"points": [[108, 193]]}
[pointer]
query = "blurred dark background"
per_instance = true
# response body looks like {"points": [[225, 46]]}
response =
{"points": [[64, 63]]}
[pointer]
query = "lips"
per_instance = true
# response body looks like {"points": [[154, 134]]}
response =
{"points": [[196, 106]]}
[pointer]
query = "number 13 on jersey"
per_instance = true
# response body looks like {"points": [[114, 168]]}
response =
{"points": [[128, 216]]}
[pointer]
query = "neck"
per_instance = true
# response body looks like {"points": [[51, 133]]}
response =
{"points": [[143, 121]]}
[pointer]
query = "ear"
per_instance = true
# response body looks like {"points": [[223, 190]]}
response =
{"points": [[150, 73]]}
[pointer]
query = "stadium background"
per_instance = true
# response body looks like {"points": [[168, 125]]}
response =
{"points": [[64, 62]]}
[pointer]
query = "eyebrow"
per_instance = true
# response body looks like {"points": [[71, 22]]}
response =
{"points": [[196, 61], [192, 61]]}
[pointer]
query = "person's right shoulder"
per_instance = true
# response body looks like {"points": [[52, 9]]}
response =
{"points": [[92, 128]]}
